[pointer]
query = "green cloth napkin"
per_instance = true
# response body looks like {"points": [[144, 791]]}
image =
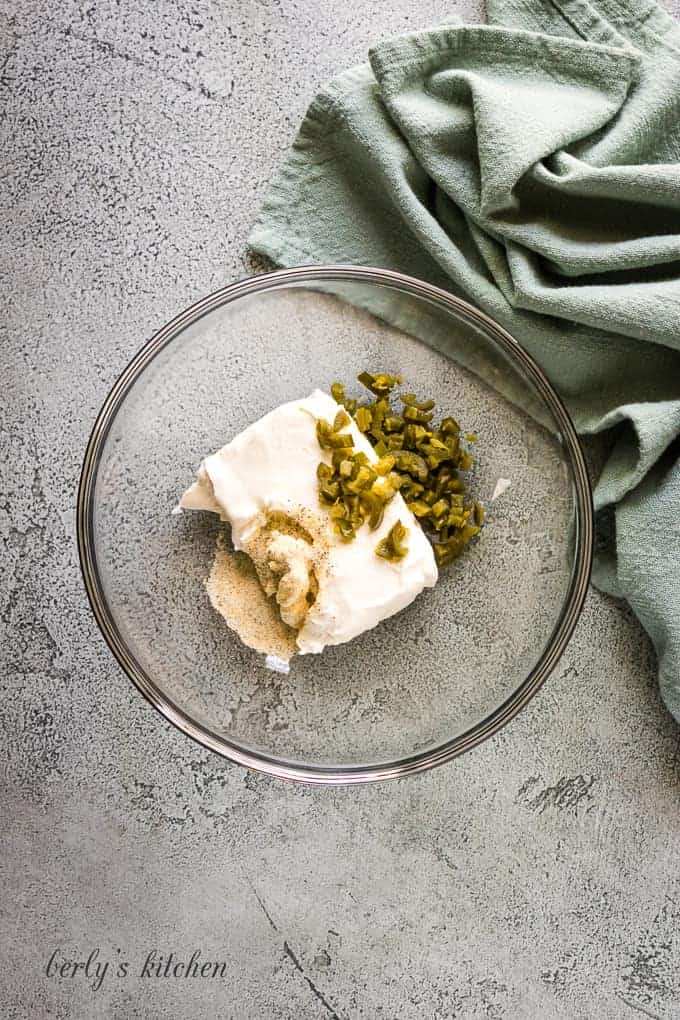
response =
{"points": [[532, 166]]}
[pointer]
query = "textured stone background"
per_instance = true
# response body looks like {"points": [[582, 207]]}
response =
{"points": [[535, 878]]}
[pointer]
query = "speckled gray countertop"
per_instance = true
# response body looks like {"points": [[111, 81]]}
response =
{"points": [[537, 877]]}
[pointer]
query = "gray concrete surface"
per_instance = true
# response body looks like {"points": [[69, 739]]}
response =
{"points": [[535, 878]]}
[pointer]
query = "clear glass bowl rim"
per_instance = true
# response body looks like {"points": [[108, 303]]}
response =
{"points": [[260, 761]]}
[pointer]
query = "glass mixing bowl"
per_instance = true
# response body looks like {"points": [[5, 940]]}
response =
{"points": [[423, 686]]}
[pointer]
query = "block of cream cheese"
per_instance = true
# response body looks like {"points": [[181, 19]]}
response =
{"points": [[264, 483]]}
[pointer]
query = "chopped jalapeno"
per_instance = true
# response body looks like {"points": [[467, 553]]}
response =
{"points": [[341, 420], [412, 463], [414, 414], [418, 508], [410, 400], [439, 508], [340, 454], [416, 457], [364, 478], [363, 418], [379, 384], [384, 465], [393, 547], [375, 507], [449, 427]]}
